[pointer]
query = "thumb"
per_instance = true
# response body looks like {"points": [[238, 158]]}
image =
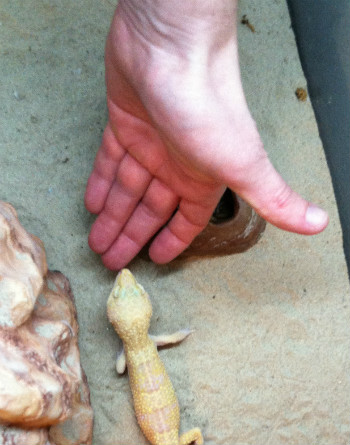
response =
{"points": [[266, 191]]}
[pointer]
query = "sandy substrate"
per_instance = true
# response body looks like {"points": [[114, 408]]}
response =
{"points": [[269, 360]]}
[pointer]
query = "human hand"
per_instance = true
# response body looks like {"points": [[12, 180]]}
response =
{"points": [[179, 132]]}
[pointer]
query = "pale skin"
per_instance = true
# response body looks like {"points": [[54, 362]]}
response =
{"points": [[179, 132], [157, 410]]}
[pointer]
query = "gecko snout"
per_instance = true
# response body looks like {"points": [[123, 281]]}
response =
{"points": [[128, 305]]}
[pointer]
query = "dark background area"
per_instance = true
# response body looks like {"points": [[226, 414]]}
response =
{"points": [[322, 30]]}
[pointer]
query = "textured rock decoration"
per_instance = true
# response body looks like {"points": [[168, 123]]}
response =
{"points": [[22, 269], [13, 435], [44, 396]]}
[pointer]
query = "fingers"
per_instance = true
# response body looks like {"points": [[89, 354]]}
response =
{"points": [[150, 215], [123, 197], [152, 212], [186, 224], [106, 165], [266, 191]]}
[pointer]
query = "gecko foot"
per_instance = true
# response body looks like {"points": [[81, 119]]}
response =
{"points": [[193, 436]]}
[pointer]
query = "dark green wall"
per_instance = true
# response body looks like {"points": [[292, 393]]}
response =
{"points": [[322, 30]]}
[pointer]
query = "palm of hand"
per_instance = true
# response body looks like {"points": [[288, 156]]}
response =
{"points": [[139, 180]]}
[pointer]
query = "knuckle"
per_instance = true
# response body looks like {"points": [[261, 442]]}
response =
{"points": [[282, 198], [132, 182]]}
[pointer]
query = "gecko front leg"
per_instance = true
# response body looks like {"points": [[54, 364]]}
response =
{"points": [[159, 340], [171, 339]]}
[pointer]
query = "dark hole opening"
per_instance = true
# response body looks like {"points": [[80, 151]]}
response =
{"points": [[226, 209]]}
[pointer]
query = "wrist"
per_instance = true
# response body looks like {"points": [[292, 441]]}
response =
{"points": [[187, 25]]}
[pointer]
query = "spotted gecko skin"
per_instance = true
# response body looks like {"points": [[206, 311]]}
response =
{"points": [[157, 410]]}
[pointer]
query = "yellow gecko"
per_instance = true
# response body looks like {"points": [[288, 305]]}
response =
{"points": [[157, 411]]}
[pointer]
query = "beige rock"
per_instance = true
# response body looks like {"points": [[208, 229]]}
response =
{"points": [[43, 388], [22, 268], [13, 435]]}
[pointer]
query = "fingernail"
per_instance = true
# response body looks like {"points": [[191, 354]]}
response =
{"points": [[315, 216]]}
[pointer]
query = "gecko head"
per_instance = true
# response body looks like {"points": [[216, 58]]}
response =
{"points": [[128, 307]]}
